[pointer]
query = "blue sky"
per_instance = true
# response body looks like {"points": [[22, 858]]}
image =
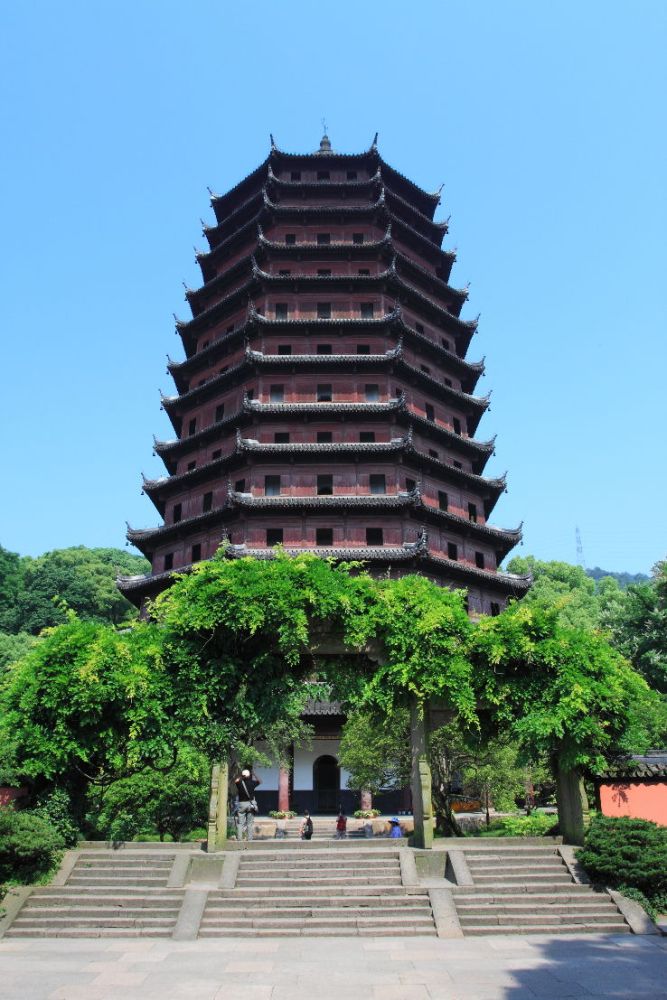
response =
{"points": [[546, 123]]}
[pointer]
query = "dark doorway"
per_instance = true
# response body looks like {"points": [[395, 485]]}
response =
{"points": [[326, 784]]}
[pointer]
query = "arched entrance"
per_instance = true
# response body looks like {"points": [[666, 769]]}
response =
{"points": [[326, 784]]}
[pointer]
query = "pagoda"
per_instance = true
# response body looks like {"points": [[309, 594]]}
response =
{"points": [[325, 401]]}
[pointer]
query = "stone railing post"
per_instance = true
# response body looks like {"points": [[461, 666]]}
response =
{"points": [[217, 808], [422, 808]]}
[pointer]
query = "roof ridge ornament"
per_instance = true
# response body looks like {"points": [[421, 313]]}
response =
{"points": [[374, 144]]}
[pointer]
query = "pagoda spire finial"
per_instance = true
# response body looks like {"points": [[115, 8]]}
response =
{"points": [[325, 141]]}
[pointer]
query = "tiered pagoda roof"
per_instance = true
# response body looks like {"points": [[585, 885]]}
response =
{"points": [[325, 400]]}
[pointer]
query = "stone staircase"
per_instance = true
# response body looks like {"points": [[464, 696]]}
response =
{"points": [[530, 890], [292, 892], [107, 894]]}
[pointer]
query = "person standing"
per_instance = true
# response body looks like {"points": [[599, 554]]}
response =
{"points": [[306, 826], [341, 826], [246, 807]]}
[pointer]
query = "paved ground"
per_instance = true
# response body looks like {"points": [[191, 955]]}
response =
{"points": [[491, 968]]}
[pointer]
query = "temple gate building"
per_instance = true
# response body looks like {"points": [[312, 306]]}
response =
{"points": [[326, 402]]}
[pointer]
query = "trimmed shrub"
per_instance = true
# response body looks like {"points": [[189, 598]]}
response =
{"points": [[626, 852], [56, 809], [29, 846], [535, 825]]}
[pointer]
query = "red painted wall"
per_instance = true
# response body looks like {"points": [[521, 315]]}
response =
{"points": [[637, 799]]}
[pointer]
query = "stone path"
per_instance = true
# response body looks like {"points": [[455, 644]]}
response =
{"points": [[490, 968]]}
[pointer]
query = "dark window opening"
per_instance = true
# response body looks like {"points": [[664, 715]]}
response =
{"points": [[324, 348], [216, 454], [274, 536], [472, 512], [281, 310], [323, 175], [378, 483], [284, 272], [324, 393], [324, 310], [295, 175], [357, 237], [495, 609], [205, 345], [324, 536], [207, 502], [192, 465], [419, 327], [430, 412], [324, 272], [457, 425], [239, 486], [230, 328], [284, 348], [196, 552], [272, 486], [367, 310], [452, 551], [364, 272], [426, 369], [177, 513], [479, 560], [352, 175], [457, 465], [448, 382], [290, 239], [325, 486], [219, 412], [223, 370], [192, 427], [443, 500], [446, 344], [372, 392], [324, 437], [410, 485], [250, 393], [281, 437], [323, 239], [363, 348], [374, 536], [433, 453], [168, 561], [367, 437], [276, 393]]}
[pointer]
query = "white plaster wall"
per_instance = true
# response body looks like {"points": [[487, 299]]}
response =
{"points": [[304, 760], [267, 775]]}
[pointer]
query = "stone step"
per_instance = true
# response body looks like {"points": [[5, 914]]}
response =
{"points": [[521, 864], [122, 871], [372, 864], [308, 930], [247, 882], [82, 910], [579, 904], [317, 908], [512, 888], [509, 878], [148, 897], [547, 928], [542, 918], [283, 901], [109, 880], [340, 923], [108, 920], [259, 853], [243, 892], [89, 932]]}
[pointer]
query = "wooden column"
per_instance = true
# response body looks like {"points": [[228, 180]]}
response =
{"points": [[573, 815], [283, 789], [217, 808], [422, 808]]}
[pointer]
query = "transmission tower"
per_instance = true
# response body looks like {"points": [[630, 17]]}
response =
{"points": [[580, 549]]}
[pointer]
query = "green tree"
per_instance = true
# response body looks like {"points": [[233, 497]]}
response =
{"points": [[10, 588], [567, 588], [13, 647], [88, 703], [638, 627], [173, 802], [79, 578], [376, 751]]}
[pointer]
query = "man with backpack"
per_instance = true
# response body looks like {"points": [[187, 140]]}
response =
{"points": [[246, 803]]}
